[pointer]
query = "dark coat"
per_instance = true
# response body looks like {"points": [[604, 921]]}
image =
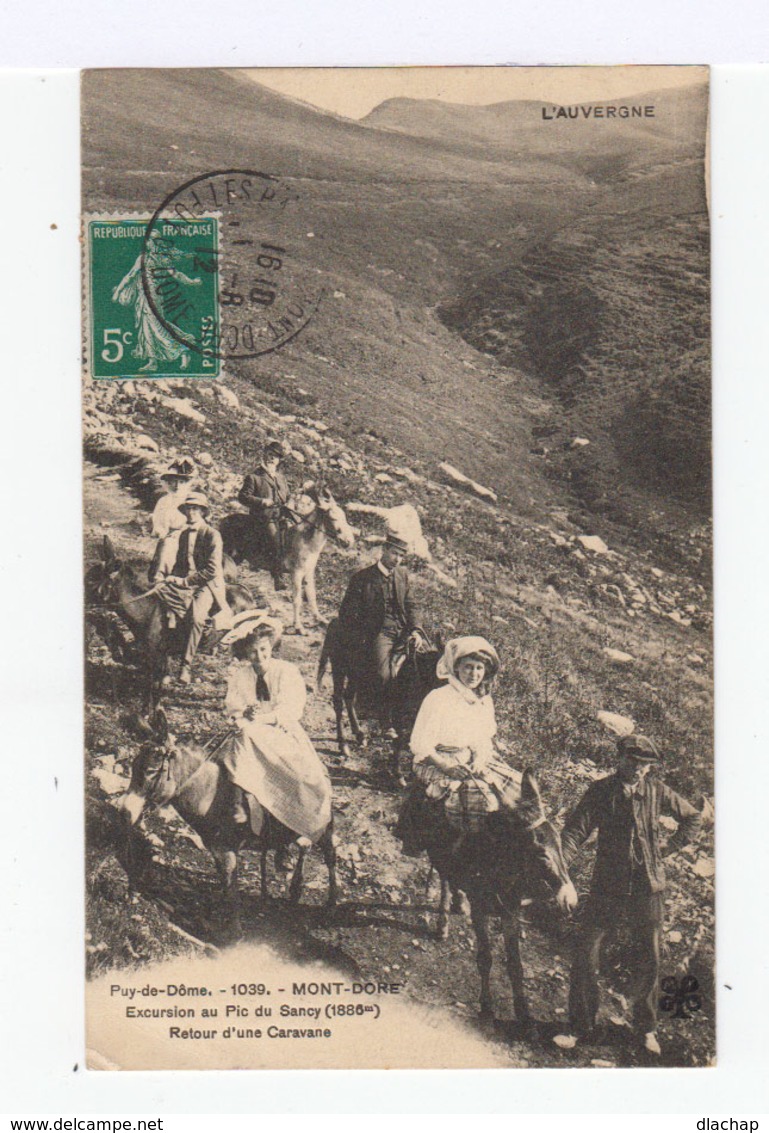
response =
{"points": [[259, 485], [363, 609], [604, 807], [207, 555]]}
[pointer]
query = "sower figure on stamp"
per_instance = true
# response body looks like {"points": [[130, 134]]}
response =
{"points": [[265, 493], [194, 584], [628, 880], [377, 615]]}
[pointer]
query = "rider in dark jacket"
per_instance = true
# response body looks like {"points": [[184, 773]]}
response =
{"points": [[265, 493]]}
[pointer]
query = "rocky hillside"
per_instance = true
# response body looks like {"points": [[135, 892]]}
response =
{"points": [[594, 641]]}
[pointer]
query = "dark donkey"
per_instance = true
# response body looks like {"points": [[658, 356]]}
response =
{"points": [[115, 583], [192, 780], [414, 679], [517, 854]]}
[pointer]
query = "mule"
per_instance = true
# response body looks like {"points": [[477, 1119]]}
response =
{"points": [[414, 679], [315, 518], [190, 779], [115, 583], [517, 854]]}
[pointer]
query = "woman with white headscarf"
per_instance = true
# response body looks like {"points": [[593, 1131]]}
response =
{"points": [[452, 740]]}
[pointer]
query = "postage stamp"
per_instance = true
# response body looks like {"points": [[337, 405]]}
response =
{"points": [[153, 301]]}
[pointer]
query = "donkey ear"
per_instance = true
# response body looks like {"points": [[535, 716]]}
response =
{"points": [[530, 796], [107, 550], [160, 725]]}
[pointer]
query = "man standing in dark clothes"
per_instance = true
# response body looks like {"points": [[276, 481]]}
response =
{"points": [[378, 611], [628, 880], [265, 493]]}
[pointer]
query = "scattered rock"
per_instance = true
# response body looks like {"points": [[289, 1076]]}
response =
{"points": [[184, 407], [205, 459], [228, 396], [618, 725], [695, 659], [602, 1063], [458, 477], [383, 478], [298, 456], [579, 442], [565, 1042], [593, 543], [617, 656], [675, 937], [143, 441]]}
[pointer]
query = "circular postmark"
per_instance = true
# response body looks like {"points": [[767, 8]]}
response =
{"points": [[234, 234]]}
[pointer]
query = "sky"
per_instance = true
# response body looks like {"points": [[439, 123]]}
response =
{"points": [[353, 91]]}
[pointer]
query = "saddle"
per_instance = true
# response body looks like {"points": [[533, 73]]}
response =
{"points": [[406, 649]]}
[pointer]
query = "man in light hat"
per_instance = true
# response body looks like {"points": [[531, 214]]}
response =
{"points": [[265, 493], [628, 880], [378, 611], [196, 579]]}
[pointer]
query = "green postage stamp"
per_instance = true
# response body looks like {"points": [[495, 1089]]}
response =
{"points": [[152, 297]]}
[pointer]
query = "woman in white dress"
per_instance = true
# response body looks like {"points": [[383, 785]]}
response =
{"points": [[453, 738], [270, 756]]}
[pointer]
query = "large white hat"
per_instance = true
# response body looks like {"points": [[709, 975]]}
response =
{"points": [[247, 622]]}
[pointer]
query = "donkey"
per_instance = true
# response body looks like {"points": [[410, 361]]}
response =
{"points": [[517, 854], [414, 679], [192, 780], [115, 583], [314, 518]]}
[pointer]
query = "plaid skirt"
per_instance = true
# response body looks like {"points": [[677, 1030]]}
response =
{"points": [[468, 801]]}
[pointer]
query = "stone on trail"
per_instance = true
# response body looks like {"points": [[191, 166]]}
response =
{"points": [[617, 656], [704, 867], [205, 459], [579, 442], [458, 477], [618, 725], [593, 543]]}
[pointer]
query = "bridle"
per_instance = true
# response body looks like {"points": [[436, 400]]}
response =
{"points": [[164, 767], [318, 519]]}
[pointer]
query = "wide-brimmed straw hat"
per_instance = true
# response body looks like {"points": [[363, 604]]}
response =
{"points": [[248, 622], [639, 747], [195, 499]]}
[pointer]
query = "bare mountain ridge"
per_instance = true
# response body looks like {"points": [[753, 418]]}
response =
{"points": [[677, 131], [146, 113]]}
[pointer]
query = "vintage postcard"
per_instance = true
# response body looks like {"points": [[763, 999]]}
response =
{"points": [[397, 483]]}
